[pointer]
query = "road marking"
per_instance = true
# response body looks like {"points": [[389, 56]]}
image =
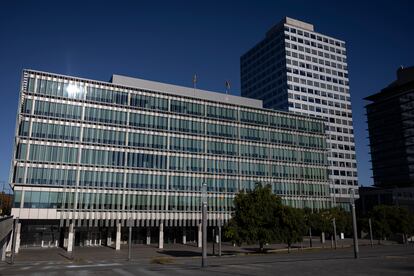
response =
{"points": [[92, 265]]}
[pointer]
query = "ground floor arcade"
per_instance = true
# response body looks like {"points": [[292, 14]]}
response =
{"points": [[71, 233]]}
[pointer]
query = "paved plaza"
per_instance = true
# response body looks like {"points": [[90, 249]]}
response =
{"points": [[177, 259]]}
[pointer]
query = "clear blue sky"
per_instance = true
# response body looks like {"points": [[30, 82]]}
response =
{"points": [[169, 41]]}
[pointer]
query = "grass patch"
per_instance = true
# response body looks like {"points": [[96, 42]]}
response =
{"points": [[162, 260]]}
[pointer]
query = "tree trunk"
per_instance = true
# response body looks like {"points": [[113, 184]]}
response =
{"points": [[261, 245]]}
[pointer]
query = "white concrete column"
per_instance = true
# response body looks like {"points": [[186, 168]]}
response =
{"points": [[184, 237], [18, 229], [65, 241], [3, 250], [161, 238], [200, 235], [148, 236], [118, 236], [70, 238], [10, 242], [109, 239]]}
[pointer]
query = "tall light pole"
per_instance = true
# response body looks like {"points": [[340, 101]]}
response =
{"points": [[334, 228], [354, 225], [204, 225], [129, 238], [219, 234], [370, 232]]}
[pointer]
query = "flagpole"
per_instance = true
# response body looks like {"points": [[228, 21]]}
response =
{"points": [[227, 84], [195, 83]]}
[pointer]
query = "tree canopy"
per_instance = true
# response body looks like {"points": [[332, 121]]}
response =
{"points": [[388, 220], [260, 217], [255, 218]]}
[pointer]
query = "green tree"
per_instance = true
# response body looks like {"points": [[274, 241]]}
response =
{"points": [[343, 220], [381, 217], [402, 222], [292, 223], [256, 217]]}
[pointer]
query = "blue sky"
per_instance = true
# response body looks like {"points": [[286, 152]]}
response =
{"points": [[169, 41]]}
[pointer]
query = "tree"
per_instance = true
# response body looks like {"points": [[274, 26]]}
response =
{"points": [[381, 217], [343, 220], [256, 217], [292, 223], [402, 222]]}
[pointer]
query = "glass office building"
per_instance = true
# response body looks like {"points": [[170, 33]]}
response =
{"points": [[297, 69], [90, 157], [390, 117]]}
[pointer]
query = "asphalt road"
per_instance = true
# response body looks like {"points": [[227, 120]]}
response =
{"points": [[381, 260]]}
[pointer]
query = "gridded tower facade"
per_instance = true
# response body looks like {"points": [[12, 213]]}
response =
{"points": [[297, 69], [90, 155], [391, 127]]}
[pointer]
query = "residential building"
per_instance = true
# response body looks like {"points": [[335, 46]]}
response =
{"points": [[296, 69], [91, 156]]}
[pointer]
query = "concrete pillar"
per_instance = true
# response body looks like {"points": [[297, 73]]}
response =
{"points": [[148, 236], [161, 238], [3, 250], [200, 235], [65, 241], [184, 236], [9, 243], [118, 236], [109, 239], [18, 228], [70, 238]]}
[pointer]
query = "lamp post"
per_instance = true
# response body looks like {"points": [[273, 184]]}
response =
{"points": [[219, 234], [204, 225], [370, 232], [354, 225], [129, 238], [334, 229]]}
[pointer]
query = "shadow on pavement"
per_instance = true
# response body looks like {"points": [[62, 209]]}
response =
{"points": [[179, 253]]}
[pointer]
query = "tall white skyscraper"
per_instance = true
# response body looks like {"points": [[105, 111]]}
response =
{"points": [[297, 69]]}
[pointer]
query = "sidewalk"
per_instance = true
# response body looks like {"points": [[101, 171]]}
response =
{"points": [[148, 252]]}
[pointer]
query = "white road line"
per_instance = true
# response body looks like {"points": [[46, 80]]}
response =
{"points": [[92, 265]]}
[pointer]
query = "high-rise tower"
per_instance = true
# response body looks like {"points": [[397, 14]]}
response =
{"points": [[297, 69]]}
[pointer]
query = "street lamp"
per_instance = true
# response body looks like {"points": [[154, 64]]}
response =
{"points": [[129, 238], [354, 224], [204, 225]]}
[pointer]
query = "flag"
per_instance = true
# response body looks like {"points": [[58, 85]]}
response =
{"points": [[227, 86], [195, 80]]}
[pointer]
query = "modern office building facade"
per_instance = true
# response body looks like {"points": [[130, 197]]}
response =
{"points": [[297, 69], [90, 155], [390, 116]]}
